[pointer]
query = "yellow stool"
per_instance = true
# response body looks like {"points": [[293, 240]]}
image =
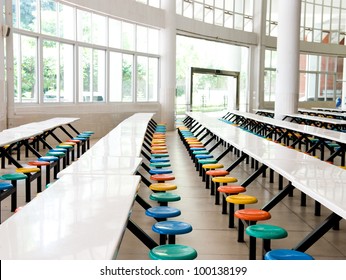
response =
{"points": [[32, 173], [241, 200], [162, 187], [205, 168]]}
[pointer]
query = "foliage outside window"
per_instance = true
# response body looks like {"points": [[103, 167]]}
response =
{"points": [[65, 31]]}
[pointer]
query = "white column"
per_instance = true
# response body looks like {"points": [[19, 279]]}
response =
{"points": [[343, 96], [168, 67], [287, 79]]}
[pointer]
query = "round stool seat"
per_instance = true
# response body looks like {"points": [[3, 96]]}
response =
{"points": [[57, 154], [266, 231], [224, 180], [160, 164], [5, 186], [48, 158], [159, 160], [216, 173], [206, 161], [159, 152], [205, 156], [250, 214], [172, 227], [200, 152], [13, 176], [62, 150], [162, 212], [231, 189], [28, 170], [160, 171], [287, 254], [158, 155], [241, 199], [162, 187], [162, 177], [71, 143], [153, 147], [196, 145], [165, 197], [212, 166], [74, 141], [65, 146], [173, 252], [88, 132], [38, 163], [198, 149]]}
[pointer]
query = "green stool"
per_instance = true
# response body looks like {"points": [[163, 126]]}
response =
{"points": [[13, 177], [7, 189], [164, 197], [173, 252], [266, 232]]}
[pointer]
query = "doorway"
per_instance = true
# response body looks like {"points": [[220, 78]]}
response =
{"points": [[213, 90]]}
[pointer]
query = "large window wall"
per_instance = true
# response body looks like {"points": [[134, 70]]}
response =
{"points": [[68, 54], [320, 77], [235, 14], [322, 21]]}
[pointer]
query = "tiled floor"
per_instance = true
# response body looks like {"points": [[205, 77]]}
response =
{"points": [[211, 236]]}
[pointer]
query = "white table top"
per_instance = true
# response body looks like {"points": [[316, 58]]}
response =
{"points": [[318, 119], [10, 136], [78, 217], [316, 111], [103, 165]]}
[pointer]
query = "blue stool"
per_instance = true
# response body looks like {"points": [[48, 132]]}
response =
{"points": [[287, 254], [7, 189], [170, 229], [159, 160], [161, 213], [160, 171]]}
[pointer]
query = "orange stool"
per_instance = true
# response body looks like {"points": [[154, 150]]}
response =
{"points": [[217, 182], [39, 164], [161, 178], [249, 216], [226, 191]]}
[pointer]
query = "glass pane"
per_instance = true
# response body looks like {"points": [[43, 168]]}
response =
{"points": [[248, 9], [153, 38], [115, 77], [142, 78], [48, 17], [99, 29], [16, 66], [187, 9], [85, 60], [128, 35], [28, 69], [127, 74], [219, 17], [228, 20], [99, 75], [248, 24], [238, 22], [239, 6], [219, 4], [66, 22], [178, 7], [155, 3], [269, 85], [28, 15], [114, 33], [302, 87], [318, 17], [50, 71], [153, 79], [326, 18], [309, 15], [336, 19], [142, 39], [84, 26], [15, 14], [229, 5], [66, 73], [198, 11], [208, 15]]}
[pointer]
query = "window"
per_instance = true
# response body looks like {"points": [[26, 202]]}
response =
{"points": [[147, 78], [58, 72], [269, 75], [62, 58], [25, 69]]}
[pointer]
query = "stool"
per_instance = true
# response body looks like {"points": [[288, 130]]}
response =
{"points": [[40, 164], [159, 160], [170, 229], [69, 150], [7, 189], [60, 155], [161, 213], [266, 232], [158, 155], [173, 252], [161, 178], [210, 166], [287, 254], [226, 191], [249, 216], [160, 171], [13, 177], [32, 174], [217, 181], [164, 197], [54, 162], [159, 164], [162, 187], [241, 200], [214, 173]]}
